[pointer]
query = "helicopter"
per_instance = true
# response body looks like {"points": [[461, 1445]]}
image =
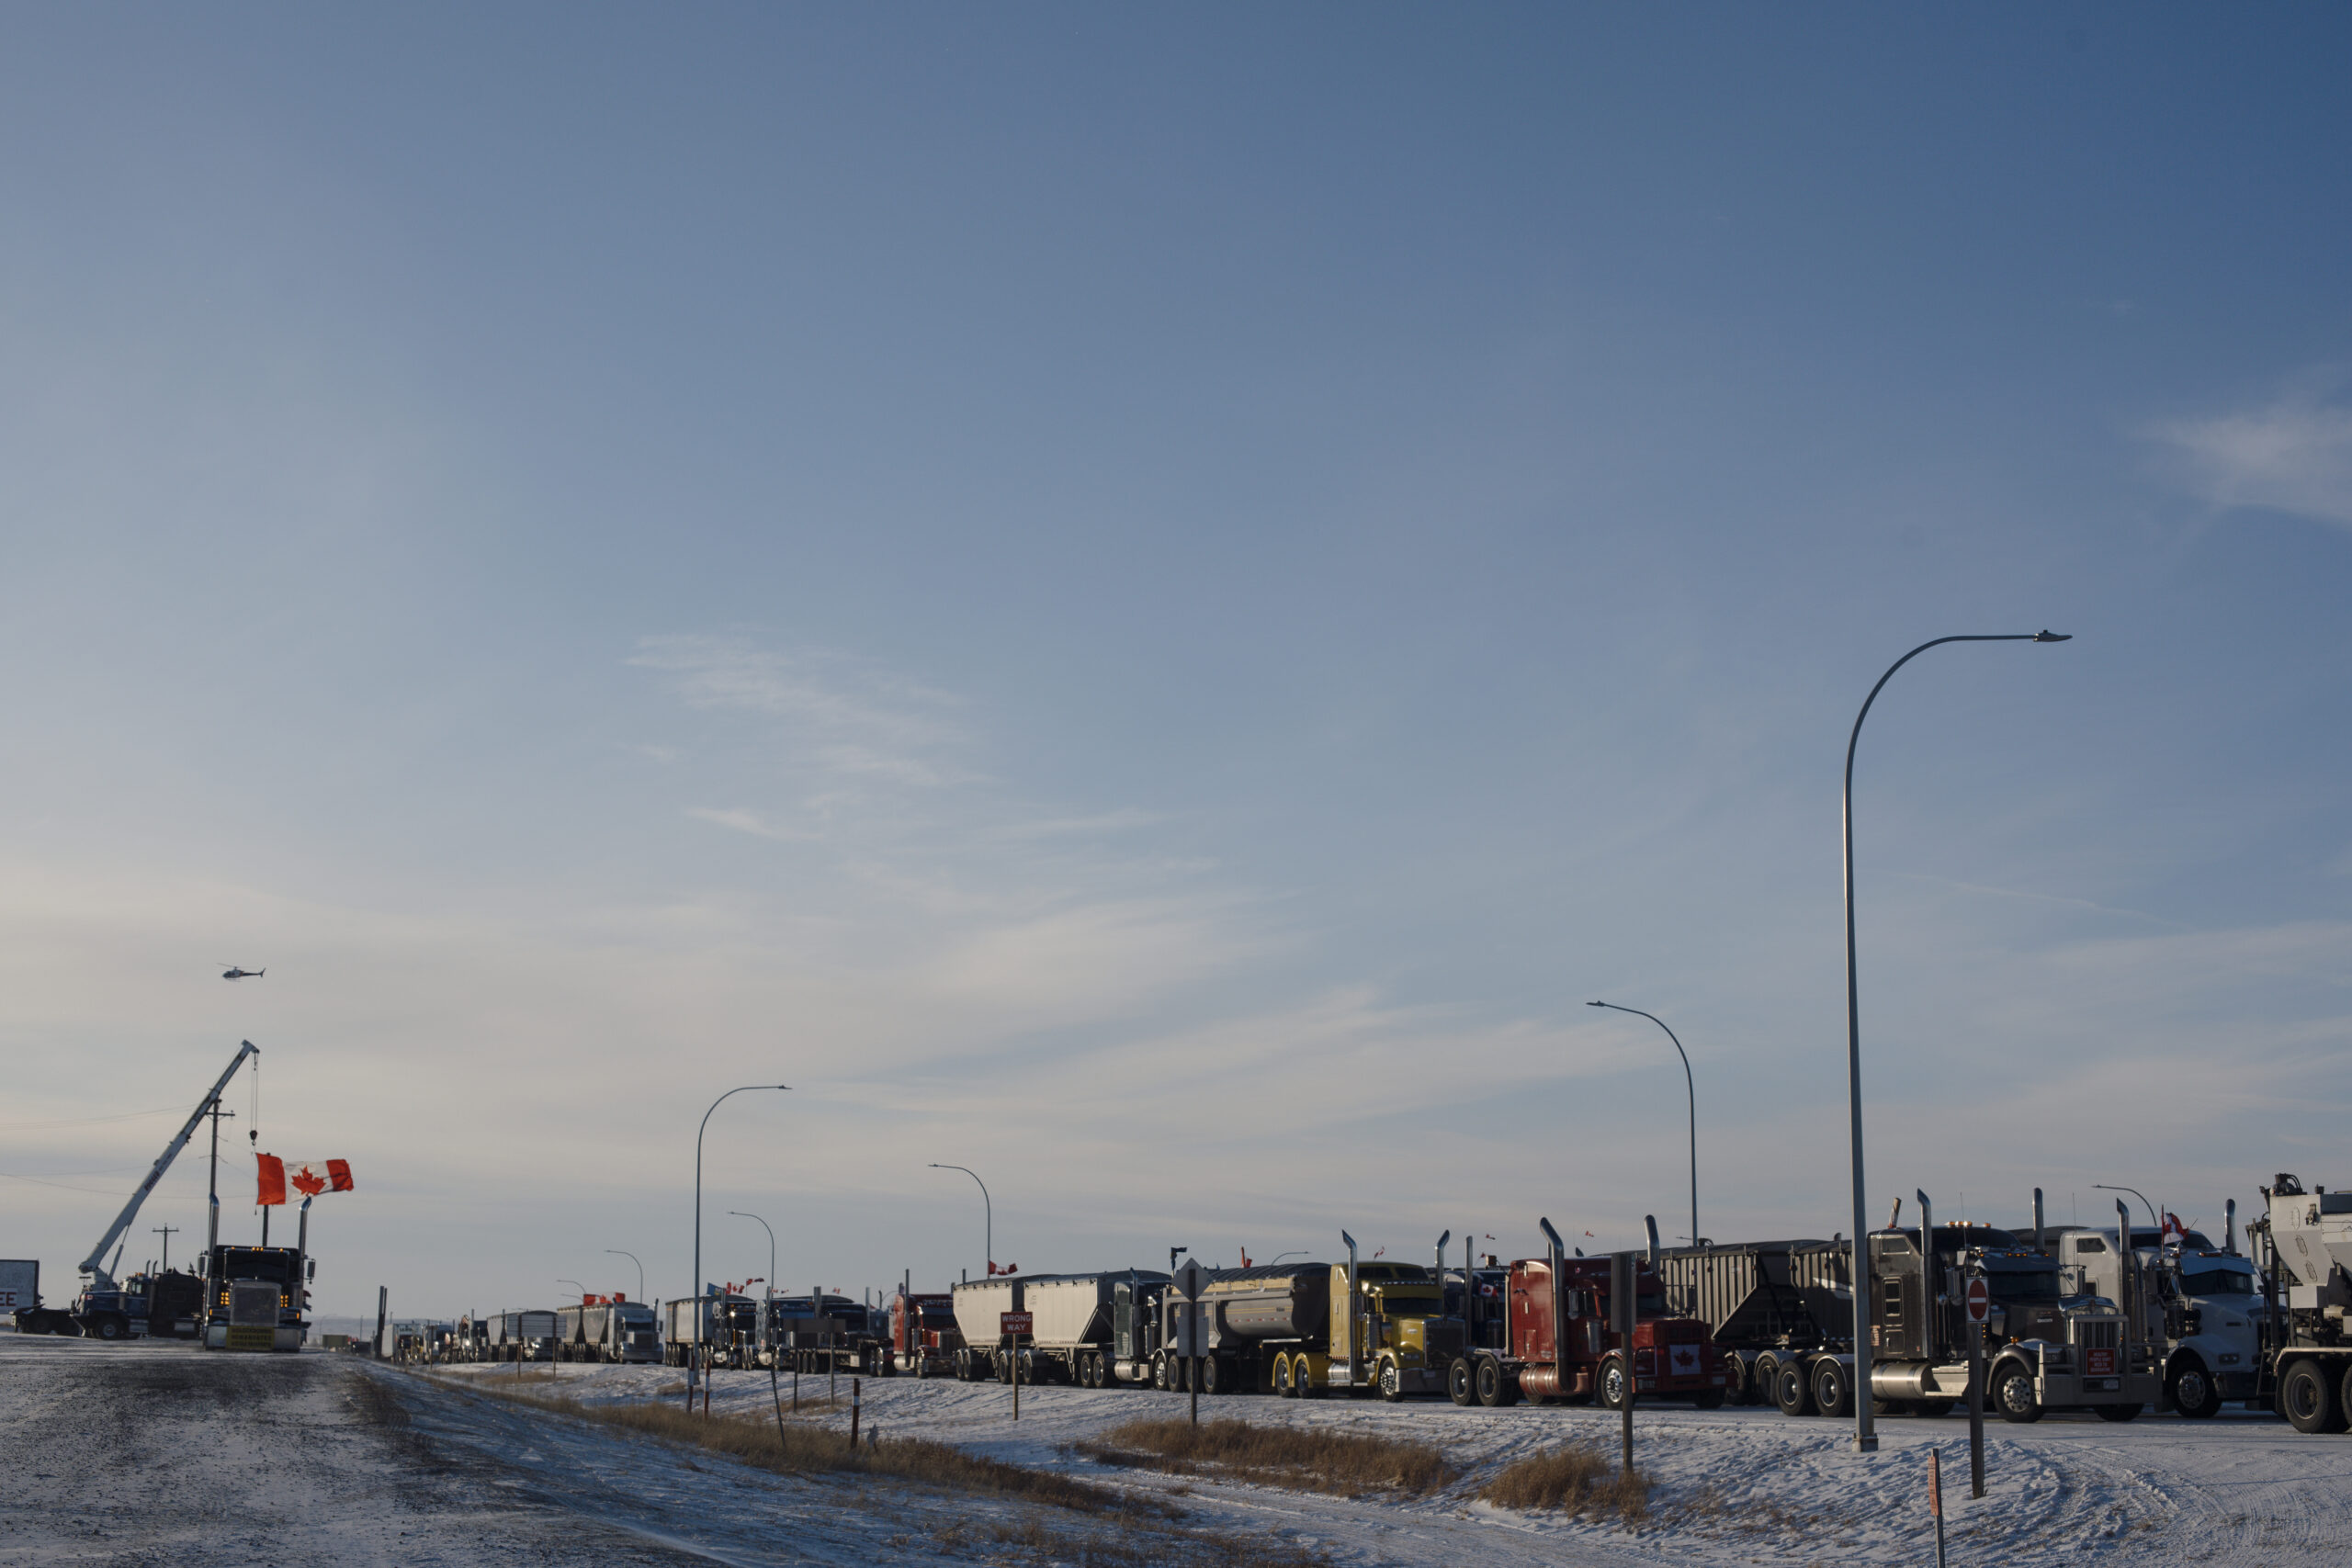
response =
{"points": [[234, 973]]}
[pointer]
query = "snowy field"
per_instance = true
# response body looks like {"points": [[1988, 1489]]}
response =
{"points": [[1733, 1487]]}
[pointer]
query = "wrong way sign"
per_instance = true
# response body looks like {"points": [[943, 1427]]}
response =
{"points": [[1016, 1322], [1980, 1300]]}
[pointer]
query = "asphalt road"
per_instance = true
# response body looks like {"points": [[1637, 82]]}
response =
{"points": [[160, 1453]]}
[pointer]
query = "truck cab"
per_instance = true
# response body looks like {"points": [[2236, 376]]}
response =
{"points": [[2201, 1307], [255, 1298], [1403, 1340]]}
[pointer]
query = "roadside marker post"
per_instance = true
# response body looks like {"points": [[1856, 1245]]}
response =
{"points": [[1979, 1297], [1188, 1282], [853, 1412], [1016, 1326], [1622, 1282], [1936, 1499]]}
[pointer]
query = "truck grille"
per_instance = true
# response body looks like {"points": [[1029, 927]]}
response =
{"points": [[2098, 1341], [252, 1304]]}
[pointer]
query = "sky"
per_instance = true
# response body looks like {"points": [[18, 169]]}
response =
{"points": [[1150, 602]]}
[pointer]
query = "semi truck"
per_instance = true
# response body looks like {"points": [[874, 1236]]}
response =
{"points": [[718, 1330], [1785, 1310], [1072, 1340], [255, 1298], [824, 1332], [1557, 1341], [1305, 1330], [20, 1295], [2306, 1243], [924, 1337], [608, 1328], [526, 1336], [2198, 1307]]}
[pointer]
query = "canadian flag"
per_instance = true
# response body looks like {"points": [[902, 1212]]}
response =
{"points": [[310, 1177], [995, 1269]]}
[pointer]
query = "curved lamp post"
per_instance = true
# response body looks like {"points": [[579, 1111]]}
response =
{"points": [[1693, 1091], [987, 1210], [2153, 1218], [1865, 1439], [578, 1286], [771, 1230], [640, 1268], [693, 1365]]}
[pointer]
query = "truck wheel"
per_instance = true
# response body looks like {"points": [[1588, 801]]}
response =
{"points": [[106, 1325], [1214, 1378], [2192, 1392], [2013, 1395], [1461, 1381], [1612, 1383], [2118, 1412], [1392, 1382], [2307, 1398], [1496, 1388], [1791, 1389], [1833, 1390], [1302, 1377]]}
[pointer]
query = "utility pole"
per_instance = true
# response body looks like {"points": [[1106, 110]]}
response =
{"points": [[165, 1231]]}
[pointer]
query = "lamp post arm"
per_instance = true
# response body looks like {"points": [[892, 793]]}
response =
{"points": [[988, 1209], [640, 1268], [1865, 1439], [1691, 1088], [699, 1131]]}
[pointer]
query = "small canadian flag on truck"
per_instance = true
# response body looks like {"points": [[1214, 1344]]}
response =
{"points": [[310, 1177]]}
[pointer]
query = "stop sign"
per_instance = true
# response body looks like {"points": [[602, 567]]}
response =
{"points": [[1980, 1300]]}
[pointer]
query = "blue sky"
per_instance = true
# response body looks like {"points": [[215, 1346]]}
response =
{"points": [[1151, 603]]}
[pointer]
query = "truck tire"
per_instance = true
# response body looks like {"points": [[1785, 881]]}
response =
{"points": [[1461, 1381], [1791, 1388], [1833, 1388], [108, 1325], [2013, 1395], [1392, 1382], [2118, 1412], [1610, 1382], [2307, 1398], [1302, 1377], [1213, 1375], [2193, 1391], [1498, 1389]]}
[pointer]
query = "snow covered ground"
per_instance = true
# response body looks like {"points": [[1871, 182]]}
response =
{"points": [[1733, 1485]]}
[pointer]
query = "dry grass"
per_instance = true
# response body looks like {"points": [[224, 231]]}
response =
{"points": [[1303, 1458], [803, 1449], [1575, 1478], [1132, 1550]]}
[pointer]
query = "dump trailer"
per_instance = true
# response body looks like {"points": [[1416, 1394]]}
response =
{"points": [[924, 1337], [2306, 1243], [1249, 1319], [824, 1332], [529, 1336], [20, 1295], [1557, 1342], [1763, 1302], [2195, 1306], [1071, 1341], [608, 1328], [718, 1330]]}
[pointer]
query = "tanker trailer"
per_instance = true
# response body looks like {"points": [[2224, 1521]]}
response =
{"points": [[1249, 1319]]}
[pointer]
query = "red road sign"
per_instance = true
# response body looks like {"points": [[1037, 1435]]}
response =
{"points": [[1980, 1300], [1016, 1322]]}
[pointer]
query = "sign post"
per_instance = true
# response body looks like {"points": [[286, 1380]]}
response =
{"points": [[1935, 1498], [1016, 1326], [1979, 1297], [1622, 1283], [1187, 1282]]}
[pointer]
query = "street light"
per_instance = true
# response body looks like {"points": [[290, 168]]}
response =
{"points": [[1865, 1439], [1693, 1091], [771, 1230], [987, 1210], [640, 1268], [2152, 1219], [692, 1367], [1279, 1256], [577, 1286]]}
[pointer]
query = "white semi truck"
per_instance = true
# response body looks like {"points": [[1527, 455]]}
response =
{"points": [[2305, 1239], [2198, 1307]]}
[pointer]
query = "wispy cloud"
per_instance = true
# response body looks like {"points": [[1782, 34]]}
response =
{"points": [[2293, 455], [749, 823]]}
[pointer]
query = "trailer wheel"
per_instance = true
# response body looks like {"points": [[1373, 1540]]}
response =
{"points": [[2014, 1397], [1791, 1389], [2307, 1398], [2192, 1392], [1833, 1390], [1461, 1381]]}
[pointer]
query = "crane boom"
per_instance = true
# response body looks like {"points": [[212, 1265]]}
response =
{"points": [[94, 1266]]}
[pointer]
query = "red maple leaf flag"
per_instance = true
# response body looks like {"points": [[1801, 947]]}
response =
{"points": [[308, 1177]]}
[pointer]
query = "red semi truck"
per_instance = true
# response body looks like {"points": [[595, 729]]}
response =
{"points": [[1555, 1343], [924, 1337]]}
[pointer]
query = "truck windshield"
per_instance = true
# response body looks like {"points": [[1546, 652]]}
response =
{"points": [[2025, 1285], [2217, 1281]]}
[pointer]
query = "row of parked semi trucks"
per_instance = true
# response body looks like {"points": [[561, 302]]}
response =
{"points": [[2112, 1319]]}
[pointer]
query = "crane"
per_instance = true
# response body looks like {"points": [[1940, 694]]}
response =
{"points": [[94, 1266]]}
